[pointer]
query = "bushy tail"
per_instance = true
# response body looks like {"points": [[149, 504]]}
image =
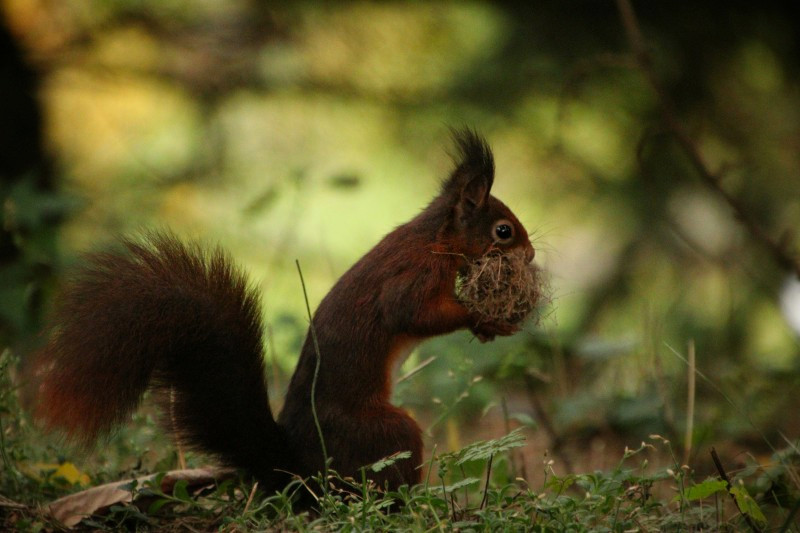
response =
{"points": [[164, 315]]}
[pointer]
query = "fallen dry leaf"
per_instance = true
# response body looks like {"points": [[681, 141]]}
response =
{"points": [[71, 509]]}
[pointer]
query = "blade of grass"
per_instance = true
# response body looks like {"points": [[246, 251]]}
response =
{"points": [[727, 398], [313, 331], [250, 498], [690, 386], [430, 468], [416, 369]]}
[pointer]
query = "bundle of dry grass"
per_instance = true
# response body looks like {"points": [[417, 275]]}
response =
{"points": [[501, 286]]}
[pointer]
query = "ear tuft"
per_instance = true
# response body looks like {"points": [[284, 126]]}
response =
{"points": [[471, 181]]}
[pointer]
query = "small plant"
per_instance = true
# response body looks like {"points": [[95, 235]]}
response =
{"points": [[474, 488], [472, 492]]}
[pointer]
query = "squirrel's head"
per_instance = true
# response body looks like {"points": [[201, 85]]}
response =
{"points": [[478, 222]]}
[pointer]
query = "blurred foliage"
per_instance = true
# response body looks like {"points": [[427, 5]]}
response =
{"points": [[309, 129], [29, 208]]}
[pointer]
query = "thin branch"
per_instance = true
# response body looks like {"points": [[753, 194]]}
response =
{"points": [[779, 248], [724, 476], [486, 486]]}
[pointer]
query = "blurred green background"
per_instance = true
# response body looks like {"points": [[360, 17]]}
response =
{"points": [[307, 130]]}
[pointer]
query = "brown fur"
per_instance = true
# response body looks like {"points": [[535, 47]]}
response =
{"points": [[166, 315]]}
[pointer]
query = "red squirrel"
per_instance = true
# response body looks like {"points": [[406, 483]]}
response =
{"points": [[168, 316]]}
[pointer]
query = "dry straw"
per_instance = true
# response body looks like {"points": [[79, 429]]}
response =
{"points": [[502, 287]]}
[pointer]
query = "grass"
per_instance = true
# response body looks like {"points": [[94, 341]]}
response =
{"points": [[469, 490], [476, 488]]}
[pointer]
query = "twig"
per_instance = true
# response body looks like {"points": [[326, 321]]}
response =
{"points": [[728, 486], [444, 495], [690, 378], [250, 498], [7, 503], [486, 486], [466, 487], [778, 248]]}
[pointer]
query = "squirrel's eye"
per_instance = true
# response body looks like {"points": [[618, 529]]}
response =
{"points": [[503, 231]]}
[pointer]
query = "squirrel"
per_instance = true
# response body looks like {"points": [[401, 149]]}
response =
{"points": [[171, 317]]}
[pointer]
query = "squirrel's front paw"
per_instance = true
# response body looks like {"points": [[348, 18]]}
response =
{"points": [[487, 331]]}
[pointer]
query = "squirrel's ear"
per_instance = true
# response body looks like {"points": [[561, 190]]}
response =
{"points": [[470, 183]]}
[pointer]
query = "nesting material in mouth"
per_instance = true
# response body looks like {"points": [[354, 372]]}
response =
{"points": [[502, 287]]}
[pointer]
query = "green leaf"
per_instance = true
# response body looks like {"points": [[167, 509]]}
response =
{"points": [[747, 504], [524, 419], [131, 486], [703, 490], [483, 450], [389, 461], [156, 505], [466, 482], [560, 484], [180, 492]]}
